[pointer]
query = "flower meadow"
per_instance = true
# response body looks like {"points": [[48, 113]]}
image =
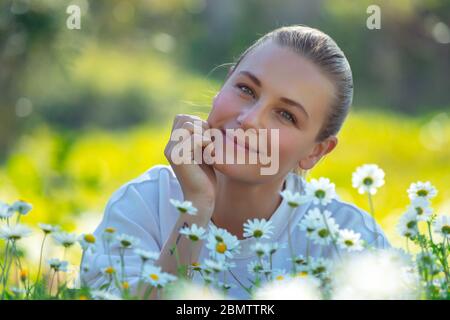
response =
{"points": [[358, 271]]}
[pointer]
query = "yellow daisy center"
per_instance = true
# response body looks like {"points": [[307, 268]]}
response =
{"points": [[110, 230], [89, 238], [221, 247], [23, 274], [109, 270], [154, 276]]}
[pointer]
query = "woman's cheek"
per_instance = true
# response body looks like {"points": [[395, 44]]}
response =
{"points": [[223, 106], [289, 149]]}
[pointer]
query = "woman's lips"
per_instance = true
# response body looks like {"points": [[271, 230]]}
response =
{"points": [[234, 139]]}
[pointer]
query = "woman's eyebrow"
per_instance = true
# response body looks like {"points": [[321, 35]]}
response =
{"points": [[258, 83]]}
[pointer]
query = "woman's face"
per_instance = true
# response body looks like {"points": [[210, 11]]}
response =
{"points": [[275, 88]]}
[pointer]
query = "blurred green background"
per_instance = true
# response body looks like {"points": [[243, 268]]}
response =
{"points": [[84, 111]]}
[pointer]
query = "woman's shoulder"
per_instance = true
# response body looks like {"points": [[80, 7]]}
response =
{"points": [[350, 216], [147, 191]]}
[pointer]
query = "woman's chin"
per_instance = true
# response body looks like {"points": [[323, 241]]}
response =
{"points": [[243, 172]]}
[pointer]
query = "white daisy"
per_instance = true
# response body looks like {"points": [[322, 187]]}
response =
{"points": [[324, 234], [87, 242], [108, 234], [294, 199], [156, 277], [21, 207], [258, 228], [442, 226], [301, 262], [255, 267], [184, 207], [289, 288], [422, 208], [326, 228], [5, 211], [48, 228], [422, 189], [126, 241], [194, 233], [368, 178], [320, 267], [58, 265], [374, 275], [279, 274], [428, 261], [407, 225], [85, 267], [110, 270], [17, 291], [350, 240], [221, 243], [406, 232], [14, 232], [146, 255], [104, 295], [260, 249], [273, 247], [65, 239], [196, 266], [215, 266], [311, 221], [321, 191]]}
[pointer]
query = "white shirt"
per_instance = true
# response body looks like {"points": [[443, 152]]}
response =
{"points": [[141, 208]]}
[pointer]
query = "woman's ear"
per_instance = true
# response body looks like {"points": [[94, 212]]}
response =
{"points": [[320, 150]]}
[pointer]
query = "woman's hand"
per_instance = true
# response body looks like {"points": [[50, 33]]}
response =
{"points": [[198, 181]]}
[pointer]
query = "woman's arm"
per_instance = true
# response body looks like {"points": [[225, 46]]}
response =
{"points": [[187, 251]]}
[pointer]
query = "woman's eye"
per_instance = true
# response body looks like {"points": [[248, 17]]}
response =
{"points": [[288, 116], [245, 89]]}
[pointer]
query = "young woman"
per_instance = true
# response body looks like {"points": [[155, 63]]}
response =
{"points": [[294, 79]]}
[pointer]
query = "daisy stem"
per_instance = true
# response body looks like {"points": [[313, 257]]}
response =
{"points": [[81, 268], [51, 283], [270, 261], [57, 284], [262, 265], [372, 212], [240, 283], [177, 258], [429, 231], [122, 264], [40, 263], [140, 277], [148, 291], [407, 245], [6, 261], [307, 250], [333, 240], [444, 260], [8, 268], [294, 269], [108, 252]]}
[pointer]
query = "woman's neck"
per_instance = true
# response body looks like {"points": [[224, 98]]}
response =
{"points": [[238, 201]]}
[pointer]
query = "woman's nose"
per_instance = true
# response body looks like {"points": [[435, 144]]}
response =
{"points": [[252, 118]]}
